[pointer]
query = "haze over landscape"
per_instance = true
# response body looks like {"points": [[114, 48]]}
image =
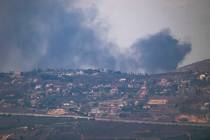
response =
{"points": [[132, 36], [104, 70]]}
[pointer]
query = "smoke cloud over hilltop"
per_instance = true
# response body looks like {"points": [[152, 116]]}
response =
{"points": [[54, 34], [50, 33], [160, 52]]}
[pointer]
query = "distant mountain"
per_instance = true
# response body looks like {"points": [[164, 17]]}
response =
{"points": [[201, 66]]}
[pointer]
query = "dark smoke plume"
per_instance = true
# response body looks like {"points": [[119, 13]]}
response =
{"points": [[160, 52], [54, 34], [49, 33]]}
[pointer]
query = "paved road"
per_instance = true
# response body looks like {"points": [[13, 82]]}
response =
{"points": [[108, 120], [154, 122], [46, 115]]}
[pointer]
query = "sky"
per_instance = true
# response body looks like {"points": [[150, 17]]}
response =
{"points": [[149, 36], [189, 20]]}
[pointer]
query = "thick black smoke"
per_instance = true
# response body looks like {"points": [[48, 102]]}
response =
{"points": [[160, 52], [55, 34], [49, 33]]}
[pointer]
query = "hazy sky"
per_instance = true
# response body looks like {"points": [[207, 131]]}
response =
{"points": [[188, 20], [129, 35]]}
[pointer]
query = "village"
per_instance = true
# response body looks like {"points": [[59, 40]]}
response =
{"points": [[171, 97]]}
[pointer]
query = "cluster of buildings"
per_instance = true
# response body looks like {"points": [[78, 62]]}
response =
{"points": [[108, 94]]}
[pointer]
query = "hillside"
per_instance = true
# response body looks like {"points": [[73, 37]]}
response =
{"points": [[85, 103], [201, 66]]}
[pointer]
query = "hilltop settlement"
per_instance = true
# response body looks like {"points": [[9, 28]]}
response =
{"points": [[182, 96]]}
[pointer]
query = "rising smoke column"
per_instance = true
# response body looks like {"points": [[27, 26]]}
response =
{"points": [[160, 52], [50, 34], [55, 34]]}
